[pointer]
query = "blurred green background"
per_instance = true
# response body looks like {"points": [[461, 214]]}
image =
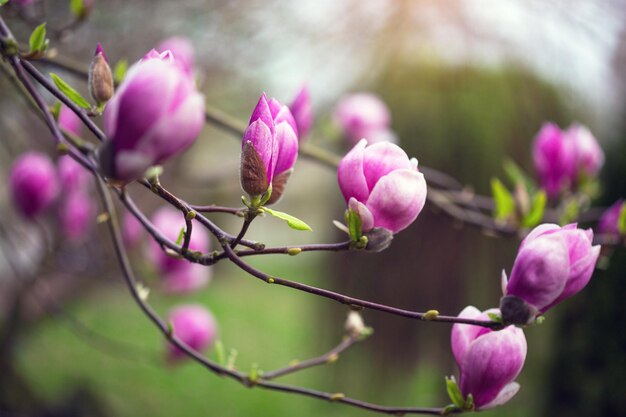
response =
{"points": [[468, 83]]}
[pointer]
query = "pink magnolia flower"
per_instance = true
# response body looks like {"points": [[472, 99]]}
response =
{"points": [[302, 111], [589, 154], [555, 159], [382, 185], [155, 113], [77, 213], [132, 230], [179, 275], [270, 149], [33, 184], [363, 115], [608, 223], [69, 121], [489, 361], [562, 158], [72, 175], [193, 325], [182, 49], [552, 264]]}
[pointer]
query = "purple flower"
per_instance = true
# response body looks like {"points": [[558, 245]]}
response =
{"points": [[555, 159], [302, 111], [154, 114], [179, 275], [363, 115], [270, 149], [182, 49], [589, 154], [33, 184], [68, 120], [382, 185], [132, 230], [552, 264], [609, 222], [77, 213], [489, 361], [563, 158], [72, 175], [193, 325]]}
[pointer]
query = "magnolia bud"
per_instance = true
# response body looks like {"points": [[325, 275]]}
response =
{"points": [[269, 149], [488, 360], [362, 115], [179, 275], [33, 184], [100, 77], [193, 325], [69, 121], [552, 264], [609, 222], [77, 213], [386, 184], [302, 111], [155, 113]]}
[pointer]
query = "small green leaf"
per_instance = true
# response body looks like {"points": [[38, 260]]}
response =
{"points": [[120, 71], [517, 175], [56, 110], [355, 224], [181, 235], [292, 221], [505, 204], [70, 92], [454, 392], [3, 2], [495, 317], [535, 215], [77, 7], [621, 222], [220, 357], [37, 41]]}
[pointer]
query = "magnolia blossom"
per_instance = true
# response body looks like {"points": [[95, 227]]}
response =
{"points": [[302, 111], [552, 264], [193, 325], [155, 113], [562, 158], [132, 230], [77, 212], [609, 222], [33, 184], [179, 275], [182, 49], [382, 185], [489, 361], [269, 149], [69, 121], [363, 115]]}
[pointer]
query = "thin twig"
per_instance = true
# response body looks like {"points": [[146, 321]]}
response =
{"points": [[328, 357]]}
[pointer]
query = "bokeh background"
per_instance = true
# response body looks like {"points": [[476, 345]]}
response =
{"points": [[468, 83]]}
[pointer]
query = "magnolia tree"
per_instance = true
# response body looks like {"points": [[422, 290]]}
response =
{"points": [[153, 112]]}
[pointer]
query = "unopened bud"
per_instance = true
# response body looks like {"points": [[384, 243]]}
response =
{"points": [[354, 323], [100, 77]]}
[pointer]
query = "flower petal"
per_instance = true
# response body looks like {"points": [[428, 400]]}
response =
{"points": [[397, 199]]}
